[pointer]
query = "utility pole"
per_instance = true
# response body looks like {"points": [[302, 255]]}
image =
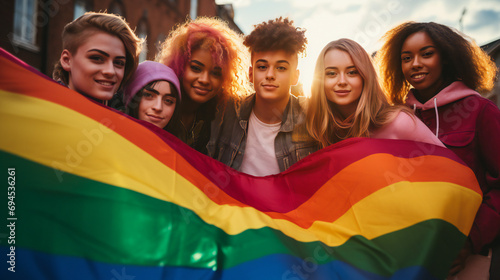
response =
{"points": [[460, 21]]}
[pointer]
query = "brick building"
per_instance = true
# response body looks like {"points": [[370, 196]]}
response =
{"points": [[31, 29], [493, 49]]}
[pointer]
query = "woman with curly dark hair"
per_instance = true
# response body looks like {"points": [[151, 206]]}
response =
{"points": [[437, 72]]}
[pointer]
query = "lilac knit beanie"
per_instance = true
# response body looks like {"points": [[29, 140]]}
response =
{"points": [[147, 72]]}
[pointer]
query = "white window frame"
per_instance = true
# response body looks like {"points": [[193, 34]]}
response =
{"points": [[142, 32], [193, 10], [22, 39], [75, 12], [116, 7]]}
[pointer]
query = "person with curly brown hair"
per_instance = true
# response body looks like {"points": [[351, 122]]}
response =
{"points": [[437, 72], [263, 136]]}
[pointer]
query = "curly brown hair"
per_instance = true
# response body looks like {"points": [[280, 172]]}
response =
{"points": [[277, 34], [463, 60]]}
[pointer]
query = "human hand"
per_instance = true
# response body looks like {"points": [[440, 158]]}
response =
{"points": [[459, 263]]}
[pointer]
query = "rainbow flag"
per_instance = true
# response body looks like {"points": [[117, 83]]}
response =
{"points": [[94, 194]]}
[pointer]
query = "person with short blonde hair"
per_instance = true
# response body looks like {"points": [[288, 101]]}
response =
{"points": [[100, 53]]}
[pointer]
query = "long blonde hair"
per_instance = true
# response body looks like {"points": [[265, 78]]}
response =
{"points": [[324, 123]]}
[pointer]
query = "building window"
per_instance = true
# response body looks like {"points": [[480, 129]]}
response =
{"points": [[25, 23], [193, 13], [142, 32], [81, 7], [161, 38], [117, 8]]}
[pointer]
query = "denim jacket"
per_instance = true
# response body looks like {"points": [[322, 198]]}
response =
{"points": [[228, 140]]}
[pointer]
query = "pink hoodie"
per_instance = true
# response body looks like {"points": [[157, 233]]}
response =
{"points": [[469, 125], [407, 127], [451, 93]]}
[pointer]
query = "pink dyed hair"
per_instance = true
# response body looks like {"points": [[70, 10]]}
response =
{"points": [[225, 45]]}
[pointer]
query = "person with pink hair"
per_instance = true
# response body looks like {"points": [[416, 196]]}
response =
{"points": [[211, 62]]}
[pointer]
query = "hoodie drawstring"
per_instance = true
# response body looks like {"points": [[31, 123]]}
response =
{"points": [[437, 116], [414, 108]]}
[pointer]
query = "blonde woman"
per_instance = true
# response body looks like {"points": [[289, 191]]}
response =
{"points": [[347, 100]]}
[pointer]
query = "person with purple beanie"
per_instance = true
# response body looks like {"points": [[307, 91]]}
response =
{"points": [[152, 94]]}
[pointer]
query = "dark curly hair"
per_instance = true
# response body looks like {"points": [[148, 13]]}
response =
{"points": [[463, 60], [277, 34]]}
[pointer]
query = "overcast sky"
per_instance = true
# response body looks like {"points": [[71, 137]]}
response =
{"points": [[365, 21]]}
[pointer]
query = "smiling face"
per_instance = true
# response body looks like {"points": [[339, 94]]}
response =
{"points": [[421, 64], [343, 83], [202, 79], [157, 104], [97, 67], [272, 74]]}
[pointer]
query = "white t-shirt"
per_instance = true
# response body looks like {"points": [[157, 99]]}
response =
{"points": [[259, 158]]}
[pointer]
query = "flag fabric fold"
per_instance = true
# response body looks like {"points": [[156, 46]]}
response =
{"points": [[100, 195]]}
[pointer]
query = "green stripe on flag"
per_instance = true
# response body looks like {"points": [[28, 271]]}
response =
{"points": [[84, 218]]}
